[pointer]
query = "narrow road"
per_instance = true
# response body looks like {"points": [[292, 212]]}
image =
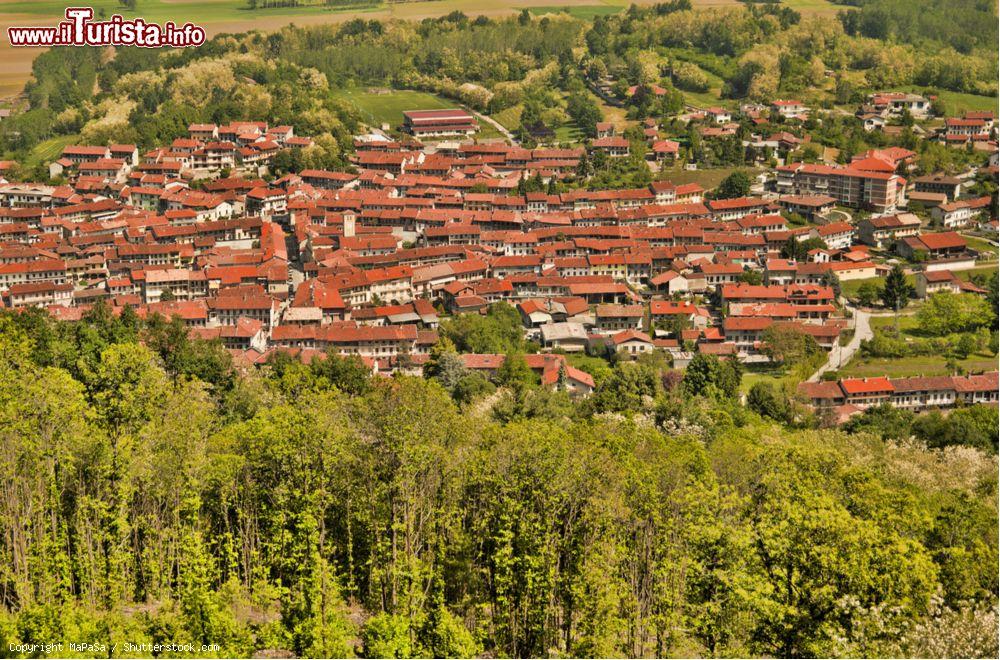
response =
{"points": [[497, 125], [841, 355]]}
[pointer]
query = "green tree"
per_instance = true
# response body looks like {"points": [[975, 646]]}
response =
{"points": [[442, 635], [815, 552], [735, 185], [514, 372], [793, 248], [868, 294], [584, 113], [498, 331], [974, 426], [386, 636], [945, 313], [347, 373], [896, 290], [790, 345], [707, 374], [885, 420], [628, 387], [766, 402]]}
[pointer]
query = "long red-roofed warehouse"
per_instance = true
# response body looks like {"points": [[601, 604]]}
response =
{"points": [[435, 123]]}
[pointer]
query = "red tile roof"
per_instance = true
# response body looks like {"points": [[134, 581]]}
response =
{"points": [[866, 385]]}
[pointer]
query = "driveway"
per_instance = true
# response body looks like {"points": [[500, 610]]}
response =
{"points": [[841, 355], [497, 125]]}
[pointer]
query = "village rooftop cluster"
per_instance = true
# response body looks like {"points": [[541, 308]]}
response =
{"points": [[432, 224]]}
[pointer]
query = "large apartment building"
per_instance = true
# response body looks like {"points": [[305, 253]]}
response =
{"points": [[876, 191]]}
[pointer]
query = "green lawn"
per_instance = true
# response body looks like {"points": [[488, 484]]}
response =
{"points": [[751, 378], [379, 106], [583, 362], [923, 365], [813, 6], [615, 115], [569, 132], [850, 288], [958, 102], [510, 118], [215, 11], [488, 132], [710, 97], [907, 323], [707, 99]]}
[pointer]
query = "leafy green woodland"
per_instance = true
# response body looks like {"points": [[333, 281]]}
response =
{"points": [[154, 492]]}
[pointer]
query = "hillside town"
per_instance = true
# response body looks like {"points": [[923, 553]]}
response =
{"points": [[432, 223], [392, 329]]}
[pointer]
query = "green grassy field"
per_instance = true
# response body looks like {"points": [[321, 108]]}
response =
{"points": [[49, 150], [510, 118], [967, 275], [922, 365], [777, 379], [932, 365], [569, 132], [907, 322], [237, 10], [710, 97], [850, 288], [822, 7], [387, 108], [592, 365], [956, 103], [979, 244], [707, 99], [707, 178]]}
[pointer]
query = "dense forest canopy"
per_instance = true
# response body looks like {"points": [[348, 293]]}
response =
{"points": [[158, 493], [965, 25]]}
